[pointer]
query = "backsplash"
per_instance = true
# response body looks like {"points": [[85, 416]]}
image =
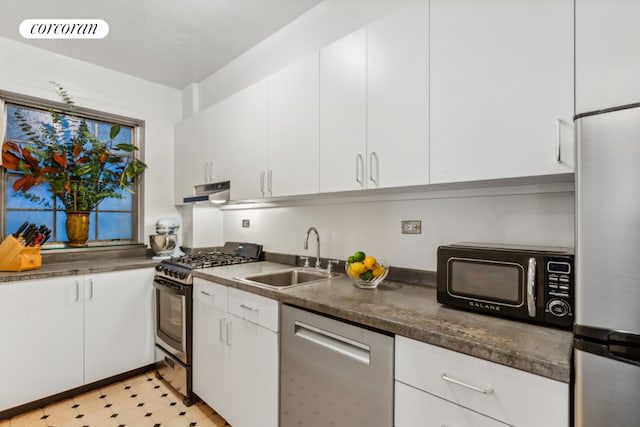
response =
{"points": [[345, 225]]}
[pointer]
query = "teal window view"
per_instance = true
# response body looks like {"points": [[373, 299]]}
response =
{"points": [[113, 220]]}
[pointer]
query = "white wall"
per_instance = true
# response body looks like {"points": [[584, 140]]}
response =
{"points": [[508, 216], [27, 70]]}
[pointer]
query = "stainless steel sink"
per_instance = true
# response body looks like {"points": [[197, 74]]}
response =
{"points": [[288, 278]]}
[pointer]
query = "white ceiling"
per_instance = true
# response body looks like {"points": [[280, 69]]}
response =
{"points": [[171, 42]]}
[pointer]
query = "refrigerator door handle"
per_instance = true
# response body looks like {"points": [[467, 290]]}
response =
{"points": [[531, 287], [625, 352], [625, 338]]}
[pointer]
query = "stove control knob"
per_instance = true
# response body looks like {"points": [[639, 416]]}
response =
{"points": [[183, 275], [159, 267]]}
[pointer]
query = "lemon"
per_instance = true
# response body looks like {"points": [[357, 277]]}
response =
{"points": [[356, 269], [359, 256], [370, 262], [378, 270]]}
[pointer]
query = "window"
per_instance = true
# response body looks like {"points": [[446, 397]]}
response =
{"points": [[115, 220]]}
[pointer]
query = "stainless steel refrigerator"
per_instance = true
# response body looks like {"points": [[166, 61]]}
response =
{"points": [[607, 325]]}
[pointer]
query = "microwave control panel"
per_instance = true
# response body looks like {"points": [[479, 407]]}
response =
{"points": [[559, 290]]}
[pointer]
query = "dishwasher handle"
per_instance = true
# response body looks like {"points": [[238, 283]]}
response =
{"points": [[333, 342]]}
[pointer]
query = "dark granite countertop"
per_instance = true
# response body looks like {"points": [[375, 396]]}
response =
{"points": [[78, 267], [412, 311]]}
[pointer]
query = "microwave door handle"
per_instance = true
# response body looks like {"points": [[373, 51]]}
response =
{"points": [[531, 287]]}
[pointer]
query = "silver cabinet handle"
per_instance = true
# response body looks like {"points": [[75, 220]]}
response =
{"points": [[373, 172], [77, 291], [90, 289], [247, 307], [220, 328], [531, 287], [558, 140], [359, 169], [262, 182], [334, 342], [469, 386], [206, 293], [270, 182], [228, 333]]}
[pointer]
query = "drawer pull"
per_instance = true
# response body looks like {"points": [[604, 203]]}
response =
{"points": [[246, 307], [205, 293], [469, 386]]}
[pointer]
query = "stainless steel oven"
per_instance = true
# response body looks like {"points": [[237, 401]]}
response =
{"points": [[174, 306]]}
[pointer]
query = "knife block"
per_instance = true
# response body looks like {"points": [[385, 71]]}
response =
{"points": [[14, 256]]}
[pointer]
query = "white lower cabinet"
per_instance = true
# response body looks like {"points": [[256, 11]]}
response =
{"points": [[236, 354], [118, 322], [64, 332], [456, 389], [416, 408]]}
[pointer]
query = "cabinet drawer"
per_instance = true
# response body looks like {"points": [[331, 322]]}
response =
{"points": [[506, 394], [254, 308], [211, 294], [415, 408]]}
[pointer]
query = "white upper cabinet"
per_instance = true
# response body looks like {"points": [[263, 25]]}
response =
{"points": [[607, 54], [194, 158], [245, 148], [293, 134], [501, 88], [343, 114], [398, 98]]}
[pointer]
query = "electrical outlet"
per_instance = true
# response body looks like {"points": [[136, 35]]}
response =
{"points": [[411, 227], [245, 223]]}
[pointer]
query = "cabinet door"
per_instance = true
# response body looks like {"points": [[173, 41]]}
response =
{"points": [[245, 151], [501, 88], [293, 158], [41, 329], [211, 377], [254, 360], [119, 331], [414, 407], [607, 54], [397, 98], [343, 114], [193, 161]]}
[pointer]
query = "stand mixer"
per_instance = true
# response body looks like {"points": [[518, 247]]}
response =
{"points": [[165, 242]]}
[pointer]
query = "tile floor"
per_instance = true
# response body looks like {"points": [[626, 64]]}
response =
{"points": [[141, 401]]}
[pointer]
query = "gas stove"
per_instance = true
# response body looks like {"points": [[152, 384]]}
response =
{"points": [[179, 269]]}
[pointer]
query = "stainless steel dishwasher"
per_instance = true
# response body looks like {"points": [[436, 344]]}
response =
{"points": [[333, 373]]}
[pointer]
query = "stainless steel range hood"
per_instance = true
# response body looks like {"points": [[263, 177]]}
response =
{"points": [[215, 192]]}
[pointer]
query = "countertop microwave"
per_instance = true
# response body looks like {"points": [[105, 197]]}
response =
{"points": [[531, 283]]}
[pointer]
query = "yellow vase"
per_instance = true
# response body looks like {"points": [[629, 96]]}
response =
{"points": [[77, 226]]}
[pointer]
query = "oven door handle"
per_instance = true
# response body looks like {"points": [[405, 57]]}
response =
{"points": [[165, 285], [531, 287]]}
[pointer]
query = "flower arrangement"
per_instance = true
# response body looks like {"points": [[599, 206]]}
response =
{"points": [[80, 169]]}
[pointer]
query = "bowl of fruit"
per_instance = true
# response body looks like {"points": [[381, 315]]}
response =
{"points": [[365, 272]]}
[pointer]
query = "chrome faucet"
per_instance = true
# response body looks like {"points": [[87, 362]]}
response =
{"points": [[306, 243]]}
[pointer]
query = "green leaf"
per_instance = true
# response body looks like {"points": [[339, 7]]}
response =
{"points": [[126, 147], [115, 130]]}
